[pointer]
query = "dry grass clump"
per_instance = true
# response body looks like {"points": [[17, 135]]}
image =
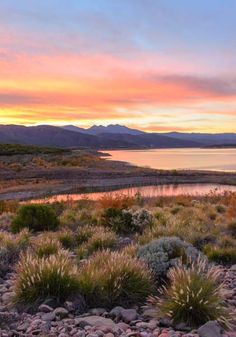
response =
{"points": [[39, 278], [111, 278], [232, 229], [83, 234], [194, 296], [221, 255], [46, 246], [117, 201], [10, 247], [130, 250], [100, 240], [8, 206], [6, 219]]}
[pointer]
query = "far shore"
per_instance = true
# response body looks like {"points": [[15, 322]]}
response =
{"points": [[147, 177]]}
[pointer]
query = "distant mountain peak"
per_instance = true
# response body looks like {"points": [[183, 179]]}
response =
{"points": [[113, 128]]}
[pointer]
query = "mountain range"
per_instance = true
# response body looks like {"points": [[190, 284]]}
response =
{"points": [[107, 137]]}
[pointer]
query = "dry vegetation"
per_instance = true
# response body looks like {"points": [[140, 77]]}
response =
{"points": [[122, 249]]}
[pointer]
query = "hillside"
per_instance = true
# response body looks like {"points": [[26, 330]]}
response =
{"points": [[46, 135]]}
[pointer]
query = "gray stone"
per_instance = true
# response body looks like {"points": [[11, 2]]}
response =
{"points": [[97, 311], [45, 308], [128, 315], [210, 329], [95, 321], [116, 312], [7, 297], [50, 316], [61, 312]]}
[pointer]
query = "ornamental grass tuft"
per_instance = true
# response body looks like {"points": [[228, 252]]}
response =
{"points": [[195, 296], [39, 278], [111, 278]]}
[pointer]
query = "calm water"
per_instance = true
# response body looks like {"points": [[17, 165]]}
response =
{"points": [[149, 191], [169, 159]]}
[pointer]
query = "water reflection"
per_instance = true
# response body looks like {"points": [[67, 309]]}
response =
{"points": [[169, 159], [149, 191]]}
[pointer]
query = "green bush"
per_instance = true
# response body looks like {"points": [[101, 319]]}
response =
{"points": [[118, 220], [40, 278], [125, 221], [162, 254], [194, 296], [36, 218], [110, 278]]}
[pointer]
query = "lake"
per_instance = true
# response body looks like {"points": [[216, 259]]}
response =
{"points": [[148, 191], [188, 158]]}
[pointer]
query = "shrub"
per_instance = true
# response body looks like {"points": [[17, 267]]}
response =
{"points": [[35, 218], [111, 278], [126, 221], [40, 278], [141, 219], [232, 229], [221, 255], [98, 241], [164, 253], [194, 296], [120, 221]]}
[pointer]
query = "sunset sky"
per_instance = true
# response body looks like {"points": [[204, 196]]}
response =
{"points": [[157, 65]]}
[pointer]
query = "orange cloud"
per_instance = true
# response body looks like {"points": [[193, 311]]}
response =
{"points": [[101, 87]]}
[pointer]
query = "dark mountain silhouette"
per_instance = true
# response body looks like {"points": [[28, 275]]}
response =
{"points": [[72, 136], [99, 129], [205, 138], [113, 128]]}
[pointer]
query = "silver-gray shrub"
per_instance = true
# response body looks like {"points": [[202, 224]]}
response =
{"points": [[141, 219], [162, 254]]}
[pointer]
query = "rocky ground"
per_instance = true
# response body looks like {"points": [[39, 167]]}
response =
{"points": [[51, 320]]}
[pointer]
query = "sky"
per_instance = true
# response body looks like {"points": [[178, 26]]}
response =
{"points": [[156, 65]]}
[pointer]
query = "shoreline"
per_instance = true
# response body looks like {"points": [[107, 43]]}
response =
{"points": [[68, 187], [95, 174]]}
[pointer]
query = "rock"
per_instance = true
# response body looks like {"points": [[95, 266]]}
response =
{"points": [[149, 313], [95, 321], [182, 327], [210, 329], [45, 308], [61, 312], [109, 334], [7, 297], [164, 322], [51, 302], [128, 315], [70, 306], [97, 311], [50, 316], [123, 326], [116, 312]]}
